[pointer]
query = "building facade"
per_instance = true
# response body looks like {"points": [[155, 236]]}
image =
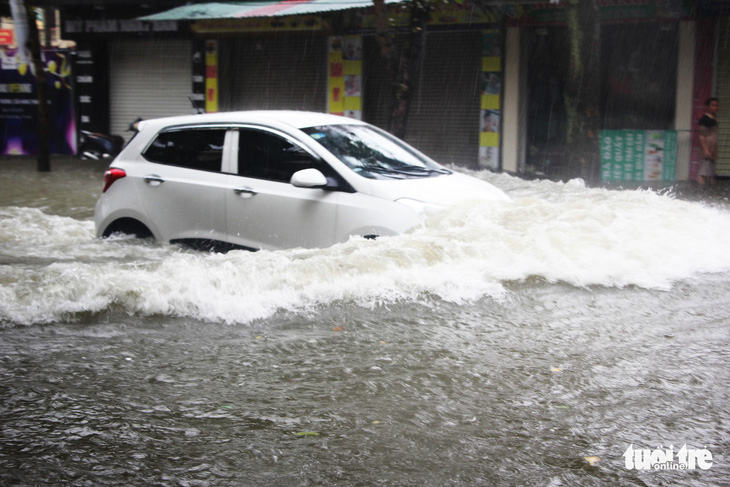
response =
{"points": [[490, 92]]}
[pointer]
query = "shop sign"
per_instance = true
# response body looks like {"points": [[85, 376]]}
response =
{"points": [[259, 24], [638, 155], [344, 67], [491, 99], [91, 27], [211, 76], [19, 104], [6, 37]]}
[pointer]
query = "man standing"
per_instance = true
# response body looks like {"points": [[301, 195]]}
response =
{"points": [[708, 142]]}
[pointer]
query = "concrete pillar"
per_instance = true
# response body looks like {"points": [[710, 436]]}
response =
{"points": [[512, 128], [684, 102]]}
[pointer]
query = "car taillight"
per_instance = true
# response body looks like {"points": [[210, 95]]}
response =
{"points": [[112, 175]]}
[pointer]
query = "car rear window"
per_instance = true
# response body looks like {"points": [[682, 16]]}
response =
{"points": [[200, 149]]}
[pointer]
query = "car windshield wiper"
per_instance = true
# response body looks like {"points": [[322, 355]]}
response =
{"points": [[427, 169], [373, 165], [382, 170]]}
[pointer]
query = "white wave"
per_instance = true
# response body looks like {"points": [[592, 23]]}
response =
{"points": [[558, 232]]}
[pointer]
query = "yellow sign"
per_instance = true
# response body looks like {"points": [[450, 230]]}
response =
{"points": [[258, 24], [345, 76], [211, 76]]}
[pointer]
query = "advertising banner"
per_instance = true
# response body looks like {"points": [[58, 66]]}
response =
{"points": [[638, 155], [211, 76], [345, 76], [491, 99], [19, 104]]}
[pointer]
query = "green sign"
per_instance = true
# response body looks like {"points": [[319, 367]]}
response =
{"points": [[638, 155]]}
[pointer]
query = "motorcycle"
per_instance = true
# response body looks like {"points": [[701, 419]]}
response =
{"points": [[96, 146]]}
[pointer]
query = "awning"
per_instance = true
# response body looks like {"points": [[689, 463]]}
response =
{"points": [[271, 8]]}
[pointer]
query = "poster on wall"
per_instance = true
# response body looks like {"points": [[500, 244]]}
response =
{"points": [[211, 76], [491, 103], [19, 104], [345, 76], [638, 155]]}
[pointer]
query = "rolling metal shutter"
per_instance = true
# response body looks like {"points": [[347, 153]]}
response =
{"points": [[274, 74], [148, 79], [444, 117], [723, 93]]}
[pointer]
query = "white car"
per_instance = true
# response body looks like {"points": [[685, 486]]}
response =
{"points": [[271, 180]]}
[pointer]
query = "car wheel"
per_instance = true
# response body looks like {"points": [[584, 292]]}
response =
{"points": [[128, 226]]}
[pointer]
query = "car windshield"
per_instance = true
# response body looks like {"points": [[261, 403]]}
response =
{"points": [[372, 153]]}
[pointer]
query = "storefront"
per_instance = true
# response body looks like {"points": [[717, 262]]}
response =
{"points": [[489, 94], [445, 114], [150, 80], [328, 60], [127, 69], [641, 95]]}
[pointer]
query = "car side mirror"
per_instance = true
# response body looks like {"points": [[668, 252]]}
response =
{"points": [[308, 178]]}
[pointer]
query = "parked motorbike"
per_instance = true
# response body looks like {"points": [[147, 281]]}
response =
{"points": [[96, 146]]}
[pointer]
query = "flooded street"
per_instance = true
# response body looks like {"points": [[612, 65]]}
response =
{"points": [[531, 342]]}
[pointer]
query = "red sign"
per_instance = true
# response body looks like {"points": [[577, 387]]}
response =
{"points": [[7, 37]]}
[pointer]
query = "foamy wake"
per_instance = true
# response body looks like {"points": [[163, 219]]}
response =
{"points": [[52, 268]]}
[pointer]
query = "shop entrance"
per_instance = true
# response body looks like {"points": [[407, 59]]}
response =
{"points": [[638, 85]]}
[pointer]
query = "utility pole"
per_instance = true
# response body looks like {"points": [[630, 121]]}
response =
{"points": [[44, 160], [29, 51]]}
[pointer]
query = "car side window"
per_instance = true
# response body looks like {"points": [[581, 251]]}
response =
{"points": [[200, 149], [263, 155]]}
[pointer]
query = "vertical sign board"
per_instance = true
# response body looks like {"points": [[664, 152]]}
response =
{"points": [[491, 104], [198, 85], [7, 37], [91, 87], [19, 104], [344, 66], [211, 76], [638, 155]]}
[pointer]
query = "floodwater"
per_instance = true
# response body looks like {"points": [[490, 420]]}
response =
{"points": [[525, 343]]}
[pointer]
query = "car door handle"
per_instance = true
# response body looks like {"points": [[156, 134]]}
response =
{"points": [[245, 190], [153, 180]]}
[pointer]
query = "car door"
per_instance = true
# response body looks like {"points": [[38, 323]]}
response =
{"points": [[264, 210], [183, 191]]}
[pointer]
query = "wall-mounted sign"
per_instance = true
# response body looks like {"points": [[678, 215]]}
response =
{"points": [[7, 37], [19, 104], [211, 76], [345, 76], [638, 155], [75, 29], [258, 24], [491, 102]]}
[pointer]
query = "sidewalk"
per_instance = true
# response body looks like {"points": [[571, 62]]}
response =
{"points": [[58, 162], [686, 190]]}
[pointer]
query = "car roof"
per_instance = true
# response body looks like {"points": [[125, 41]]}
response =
{"points": [[292, 118]]}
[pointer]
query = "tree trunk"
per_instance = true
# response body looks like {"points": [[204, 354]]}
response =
{"points": [[404, 59], [582, 92]]}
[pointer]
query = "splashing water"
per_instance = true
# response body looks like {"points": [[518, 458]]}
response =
{"points": [[52, 267]]}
